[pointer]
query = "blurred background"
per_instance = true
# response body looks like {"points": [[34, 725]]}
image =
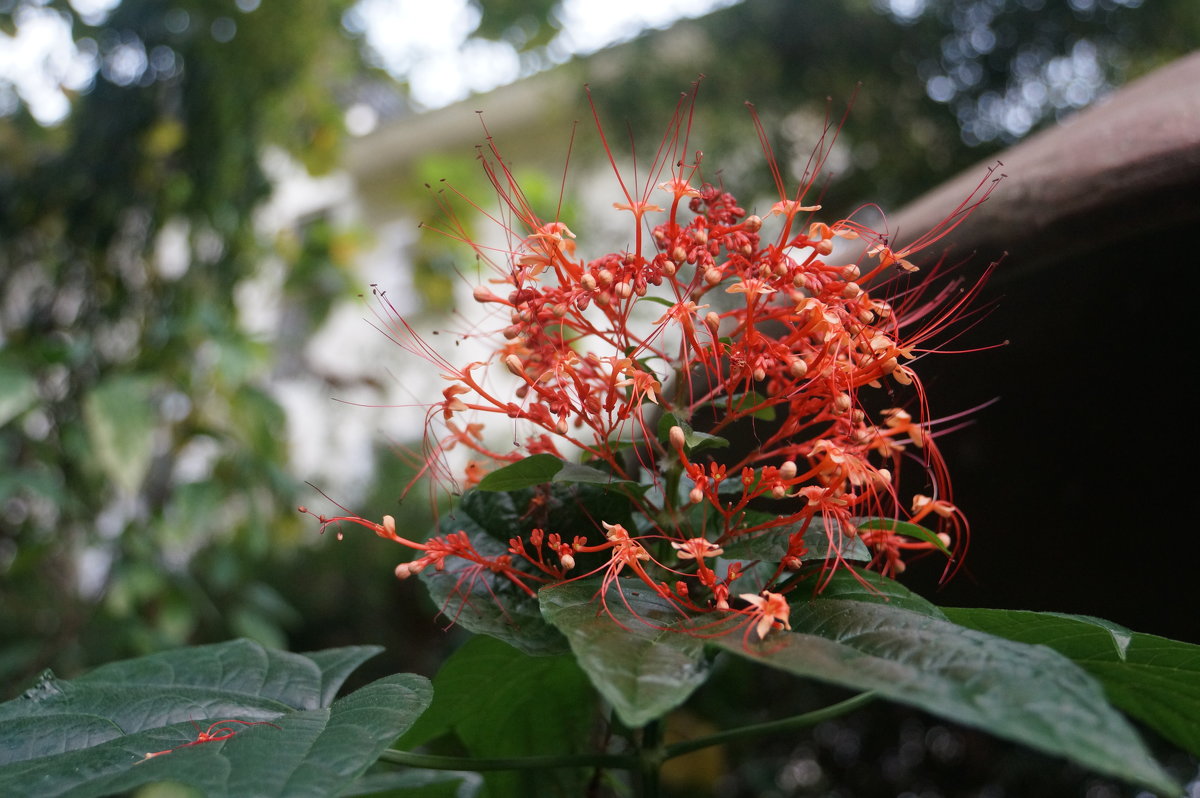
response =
{"points": [[195, 195]]}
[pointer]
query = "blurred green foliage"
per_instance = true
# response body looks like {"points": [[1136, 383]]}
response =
{"points": [[145, 478]]}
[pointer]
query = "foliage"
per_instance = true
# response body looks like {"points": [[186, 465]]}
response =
{"points": [[273, 721], [143, 461], [1153, 679], [230, 719], [483, 696]]}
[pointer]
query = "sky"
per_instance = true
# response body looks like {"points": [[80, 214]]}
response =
{"points": [[427, 43]]}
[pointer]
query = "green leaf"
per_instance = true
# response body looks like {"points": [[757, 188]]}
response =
{"points": [[336, 665], [866, 586], [18, 392], [772, 545], [500, 514], [743, 401], [1029, 694], [693, 441], [90, 736], [907, 529], [500, 703], [120, 421], [636, 651], [574, 473], [699, 441], [567, 508], [488, 603], [1154, 679], [537, 469]]}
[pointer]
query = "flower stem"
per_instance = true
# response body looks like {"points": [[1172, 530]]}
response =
{"points": [[651, 755], [438, 762], [771, 727], [647, 761]]}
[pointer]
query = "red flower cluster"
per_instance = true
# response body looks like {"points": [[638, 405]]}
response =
{"points": [[723, 320]]}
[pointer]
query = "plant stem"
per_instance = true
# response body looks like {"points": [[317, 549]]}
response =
{"points": [[648, 759], [772, 727], [437, 762], [651, 755]]}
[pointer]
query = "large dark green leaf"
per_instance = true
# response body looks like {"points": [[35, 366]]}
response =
{"points": [[488, 603], [500, 702], [1029, 694], [336, 664], [491, 604], [634, 651], [772, 545], [90, 736], [862, 585], [501, 514], [568, 509], [1154, 679]]}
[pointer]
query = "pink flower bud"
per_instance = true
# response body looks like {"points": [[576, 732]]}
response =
{"points": [[677, 437]]}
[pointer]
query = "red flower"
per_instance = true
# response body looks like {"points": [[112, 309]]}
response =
{"points": [[792, 334]]}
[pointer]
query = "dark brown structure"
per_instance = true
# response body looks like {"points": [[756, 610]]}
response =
{"points": [[1079, 480]]}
